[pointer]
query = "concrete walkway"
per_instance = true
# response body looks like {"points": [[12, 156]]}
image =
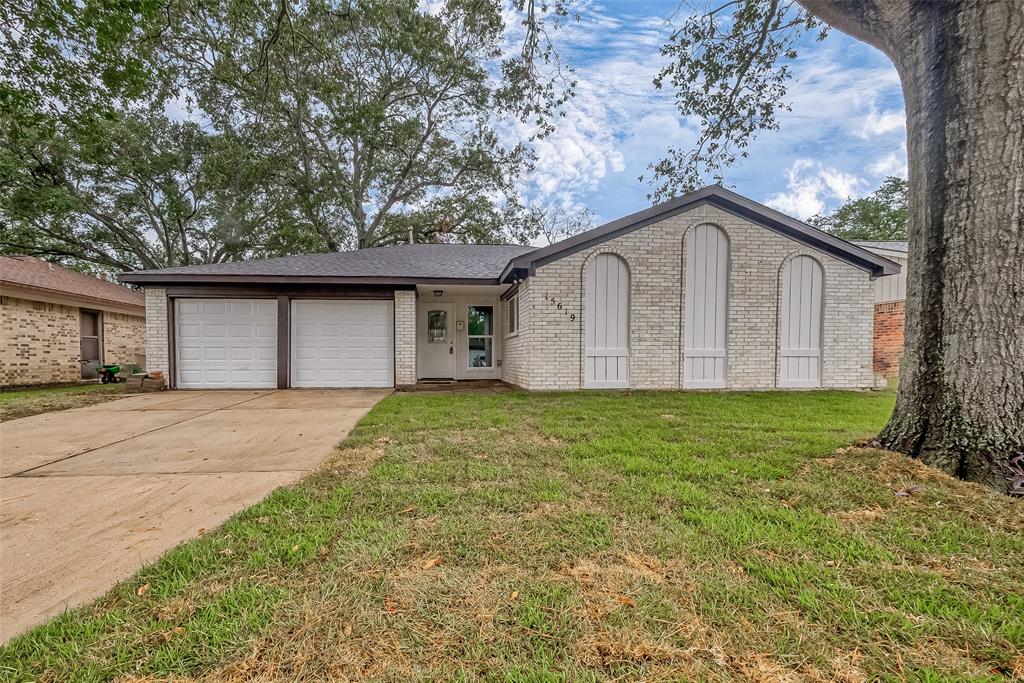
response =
{"points": [[88, 496]]}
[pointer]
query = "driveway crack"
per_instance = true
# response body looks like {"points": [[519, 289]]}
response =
{"points": [[25, 472]]}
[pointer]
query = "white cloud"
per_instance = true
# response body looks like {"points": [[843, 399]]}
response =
{"points": [[809, 184], [891, 164], [616, 124], [882, 122]]}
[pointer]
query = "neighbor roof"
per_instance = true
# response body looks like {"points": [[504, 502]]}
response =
{"points": [[892, 245], [718, 196], [36, 274], [402, 263]]}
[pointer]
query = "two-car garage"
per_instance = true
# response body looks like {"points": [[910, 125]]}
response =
{"points": [[225, 343]]}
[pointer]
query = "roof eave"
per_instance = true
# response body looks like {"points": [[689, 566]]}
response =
{"points": [[141, 305], [153, 279]]}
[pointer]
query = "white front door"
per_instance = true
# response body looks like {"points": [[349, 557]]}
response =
{"points": [[606, 318], [226, 343], [436, 340], [704, 323], [800, 323], [342, 343]]}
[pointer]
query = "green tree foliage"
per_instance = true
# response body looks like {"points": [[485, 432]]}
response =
{"points": [[135, 189], [880, 216], [62, 58], [141, 135], [390, 113]]}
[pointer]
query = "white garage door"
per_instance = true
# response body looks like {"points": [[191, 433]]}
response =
{"points": [[342, 343], [226, 343]]}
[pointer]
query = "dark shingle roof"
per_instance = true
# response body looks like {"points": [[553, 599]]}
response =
{"points": [[33, 273], [422, 262], [892, 245]]}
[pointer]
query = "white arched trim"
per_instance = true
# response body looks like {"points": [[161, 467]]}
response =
{"points": [[705, 306], [606, 284], [801, 314]]}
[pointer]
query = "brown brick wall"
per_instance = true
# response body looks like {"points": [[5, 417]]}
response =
{"points": [[38, 342], [124, 338], [888, 349]]}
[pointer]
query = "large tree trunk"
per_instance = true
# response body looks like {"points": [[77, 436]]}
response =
{"points": [[960, 406]]}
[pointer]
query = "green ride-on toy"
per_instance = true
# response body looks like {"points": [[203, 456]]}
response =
{"points": [[106, 373]]}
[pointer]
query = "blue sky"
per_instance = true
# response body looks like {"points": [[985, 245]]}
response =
{"points": [[844, 135]]}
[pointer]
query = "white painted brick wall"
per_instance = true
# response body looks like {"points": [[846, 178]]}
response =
{"points": [[156, 330], [405, 337], [514, 362], [547, 352]]}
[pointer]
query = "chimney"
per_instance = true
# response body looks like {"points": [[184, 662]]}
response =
{"points": [[412, 237]]}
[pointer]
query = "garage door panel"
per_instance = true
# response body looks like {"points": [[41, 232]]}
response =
{"points": [[342, 344], [230, 343], [213, 307], [213, 354]]}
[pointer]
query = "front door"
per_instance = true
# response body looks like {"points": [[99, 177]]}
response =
{"points": [[436, 337]]}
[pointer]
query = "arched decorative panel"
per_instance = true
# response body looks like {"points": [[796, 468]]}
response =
{"points": [[706, 312], [800, 305], [606, 323]]}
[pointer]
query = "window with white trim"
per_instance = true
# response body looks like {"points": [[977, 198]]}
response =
{"points": [[479, 325], [512, 315]]}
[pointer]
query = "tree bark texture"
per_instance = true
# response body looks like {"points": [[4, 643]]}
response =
{"points": [[960, 405]]}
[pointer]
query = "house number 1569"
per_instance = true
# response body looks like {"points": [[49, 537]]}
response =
{"points": [[558, 305]]}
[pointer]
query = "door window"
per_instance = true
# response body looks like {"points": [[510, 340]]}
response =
{"points": [[437, 327], [480, 328]]}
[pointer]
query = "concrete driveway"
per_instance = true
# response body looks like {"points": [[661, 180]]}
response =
{"points": [[88, 496]]}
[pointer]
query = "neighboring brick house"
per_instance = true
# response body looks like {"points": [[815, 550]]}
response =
{"points": [[50, 317], [707, 291], [890, 307]]}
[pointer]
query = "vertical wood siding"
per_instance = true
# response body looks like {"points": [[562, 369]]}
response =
{"points": [[606, 358], [706, 311], [800, 323], [892, 287]]}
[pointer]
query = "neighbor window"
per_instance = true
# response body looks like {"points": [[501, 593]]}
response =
{"points": [[480, 329]]}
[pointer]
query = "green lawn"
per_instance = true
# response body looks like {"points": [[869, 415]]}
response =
{"points": [[577, 537], [24, 402]]}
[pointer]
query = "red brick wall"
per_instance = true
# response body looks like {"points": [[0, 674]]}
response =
{"points": [[888, 338]]}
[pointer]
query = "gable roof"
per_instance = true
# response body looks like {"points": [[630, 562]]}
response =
{"points": [[398, 264], [718, 196], [888, 245], [33, 273], [406, 264]]}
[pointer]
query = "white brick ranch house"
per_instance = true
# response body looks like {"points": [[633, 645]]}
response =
{"points": [[708, 290]]}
